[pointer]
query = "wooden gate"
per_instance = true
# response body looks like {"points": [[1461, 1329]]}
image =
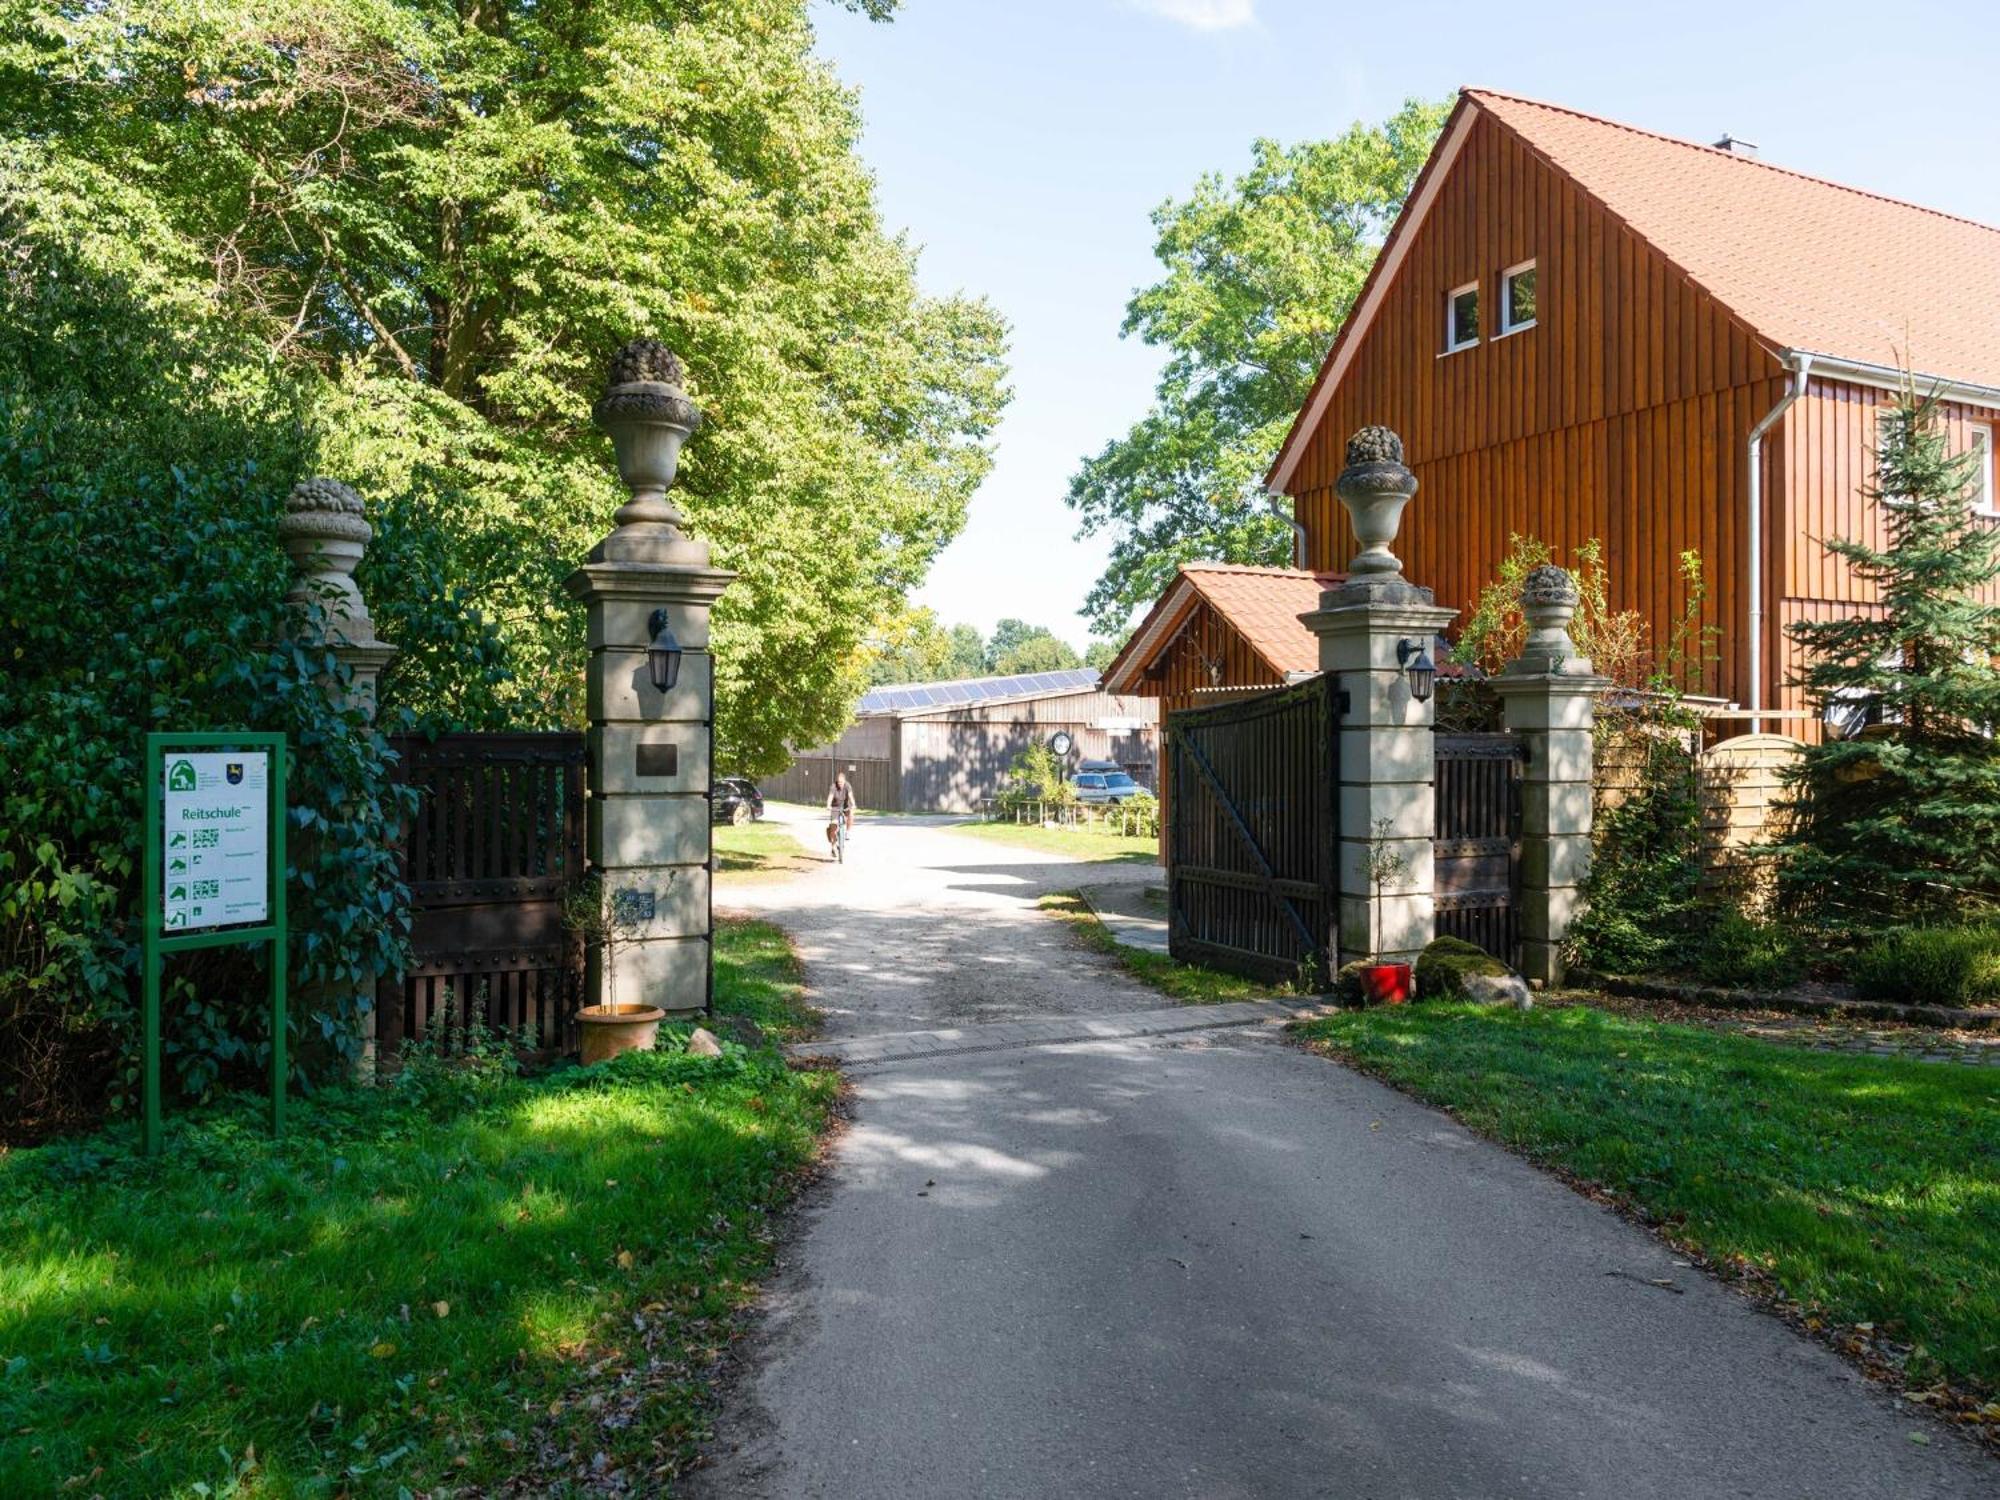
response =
{"points": [[1477, 848], [496, 839], [1253, 832]]}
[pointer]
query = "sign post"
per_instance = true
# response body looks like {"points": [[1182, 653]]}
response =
{"points": [[214, 875]]}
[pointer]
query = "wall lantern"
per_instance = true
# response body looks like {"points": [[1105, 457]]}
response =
{"points": [[1421, 670], [663, 657]]}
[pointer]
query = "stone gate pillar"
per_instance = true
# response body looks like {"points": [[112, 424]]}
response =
{"points": [[1370, 629], [325, 532], [1549, 694], [649, 586]]}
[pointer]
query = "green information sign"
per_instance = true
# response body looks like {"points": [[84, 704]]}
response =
{"points": [[215, 874]]}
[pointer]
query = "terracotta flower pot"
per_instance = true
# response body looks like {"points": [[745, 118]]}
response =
{"points": [[604, 1031], [1386, 984]]}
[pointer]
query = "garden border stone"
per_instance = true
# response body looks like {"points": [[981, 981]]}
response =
{"points": [[1642, 988]]}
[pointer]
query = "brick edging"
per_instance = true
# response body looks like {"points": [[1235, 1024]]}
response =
{"points": [[1639, 988]]}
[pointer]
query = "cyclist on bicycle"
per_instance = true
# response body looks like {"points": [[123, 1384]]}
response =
{"points": [[839, 810]]}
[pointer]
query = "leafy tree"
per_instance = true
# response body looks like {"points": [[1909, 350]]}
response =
{"points": [[1017, 646], [1100, 654], [1260, 274], [448, 215], [1038, 653], [1901, 824]]}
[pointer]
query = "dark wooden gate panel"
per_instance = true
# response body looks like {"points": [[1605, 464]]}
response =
{"points": [[1253, 831], [1478, 841], [496, 839]]}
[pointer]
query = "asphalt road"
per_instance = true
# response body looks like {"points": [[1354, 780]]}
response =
{"points": [[1212, 1265]]}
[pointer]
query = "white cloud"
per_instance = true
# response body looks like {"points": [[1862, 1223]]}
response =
{"points": [[1202, 15]]}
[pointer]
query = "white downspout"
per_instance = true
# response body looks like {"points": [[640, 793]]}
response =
{"points": [[1276, 501], [1801, 366]]}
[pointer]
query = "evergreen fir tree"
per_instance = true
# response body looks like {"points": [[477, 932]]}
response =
{"points": [[1899, 825]]}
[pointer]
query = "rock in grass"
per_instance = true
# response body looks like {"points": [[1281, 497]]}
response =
{"points": [[1444, 967], [703, 1043], [1498, 989]]}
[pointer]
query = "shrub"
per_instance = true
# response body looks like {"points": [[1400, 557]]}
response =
{"points": [[1732, 949], [1931, 966], [1444, 966], [1347, 986], [1645, 875]]}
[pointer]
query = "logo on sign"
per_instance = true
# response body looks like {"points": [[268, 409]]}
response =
{"points": [[180, 776], [234, 771]]}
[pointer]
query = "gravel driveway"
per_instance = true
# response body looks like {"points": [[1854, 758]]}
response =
{"points": [[1211, 1265]]}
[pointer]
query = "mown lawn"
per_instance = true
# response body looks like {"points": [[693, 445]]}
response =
{"points": [[454, 1281], [751, 849], [1078, 843], [758, 975], [1191, 984], [1865, 1189]]}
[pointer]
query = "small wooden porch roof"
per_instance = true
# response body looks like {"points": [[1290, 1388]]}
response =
{"points": [[1260, 605]]}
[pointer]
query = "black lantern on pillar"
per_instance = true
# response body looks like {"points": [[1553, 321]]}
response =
{"points": [[1417, 665], [663, 656]]}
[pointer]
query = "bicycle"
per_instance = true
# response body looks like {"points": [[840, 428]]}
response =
{"points": [[836, 830]]}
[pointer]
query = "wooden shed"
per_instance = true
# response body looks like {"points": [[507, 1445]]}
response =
{"points": [[942, 746], [1583, 329]]}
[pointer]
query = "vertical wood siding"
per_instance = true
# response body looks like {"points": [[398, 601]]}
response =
{"points": [[1621, 414], [1829, 458]]}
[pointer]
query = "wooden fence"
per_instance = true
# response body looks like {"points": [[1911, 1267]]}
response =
{"points": [[495, 843], [1740, 786]]}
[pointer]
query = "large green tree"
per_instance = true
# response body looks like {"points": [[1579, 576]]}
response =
{"points": [[1259, 274], [1899, 824], [449, 212]]}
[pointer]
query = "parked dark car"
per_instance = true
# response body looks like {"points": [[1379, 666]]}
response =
{"points": [[1106, 786], [736, 800]]}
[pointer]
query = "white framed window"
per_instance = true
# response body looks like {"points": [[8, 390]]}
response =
{"points": [[1461, 317], [1979, 440], [1517, 298]]}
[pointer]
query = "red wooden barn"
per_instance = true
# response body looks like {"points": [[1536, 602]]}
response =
{"points": [[1583, 329]]}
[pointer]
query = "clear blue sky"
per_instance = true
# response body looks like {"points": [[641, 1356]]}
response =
{"points": [[1023, 143]]}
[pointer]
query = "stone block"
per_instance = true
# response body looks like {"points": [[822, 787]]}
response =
{"points": [[668, 900], [1364, 638], [1408, 923], [644, 832], [1369, 757], [617, 688], [671, 973], [1410, 807], [1561, 860], [1382, 700], [1541, 962], [623, 622], [1531, 710], [1418, 858], [1556, 755], [614, 757], [1548, 912], [1555, 808]]}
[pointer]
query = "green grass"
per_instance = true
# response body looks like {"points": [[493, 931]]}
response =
{"points": [[1191, 984], [752, 849], [1865, 1189], [446, 1282], [1079, 843], [758, 975]]}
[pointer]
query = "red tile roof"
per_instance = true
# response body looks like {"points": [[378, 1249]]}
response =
{"points": [[1808, 264], [1262, 605]]}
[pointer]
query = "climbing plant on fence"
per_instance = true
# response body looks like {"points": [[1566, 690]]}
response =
{"points": [[142, 587]]}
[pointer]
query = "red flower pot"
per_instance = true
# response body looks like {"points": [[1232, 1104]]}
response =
{"points": [[1386, 984]]}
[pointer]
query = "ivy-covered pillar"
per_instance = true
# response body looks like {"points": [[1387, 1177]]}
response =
{"points": [[325, 532], [647, 589], [1549, 695], [1370, 629]]}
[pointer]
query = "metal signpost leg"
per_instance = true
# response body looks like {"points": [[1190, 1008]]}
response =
{"points": [[278, 939]]}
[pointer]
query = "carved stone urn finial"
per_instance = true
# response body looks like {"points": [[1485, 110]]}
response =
{"points": [[1375, 486], [325, 533], [648, 416], [1549, 598]]}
